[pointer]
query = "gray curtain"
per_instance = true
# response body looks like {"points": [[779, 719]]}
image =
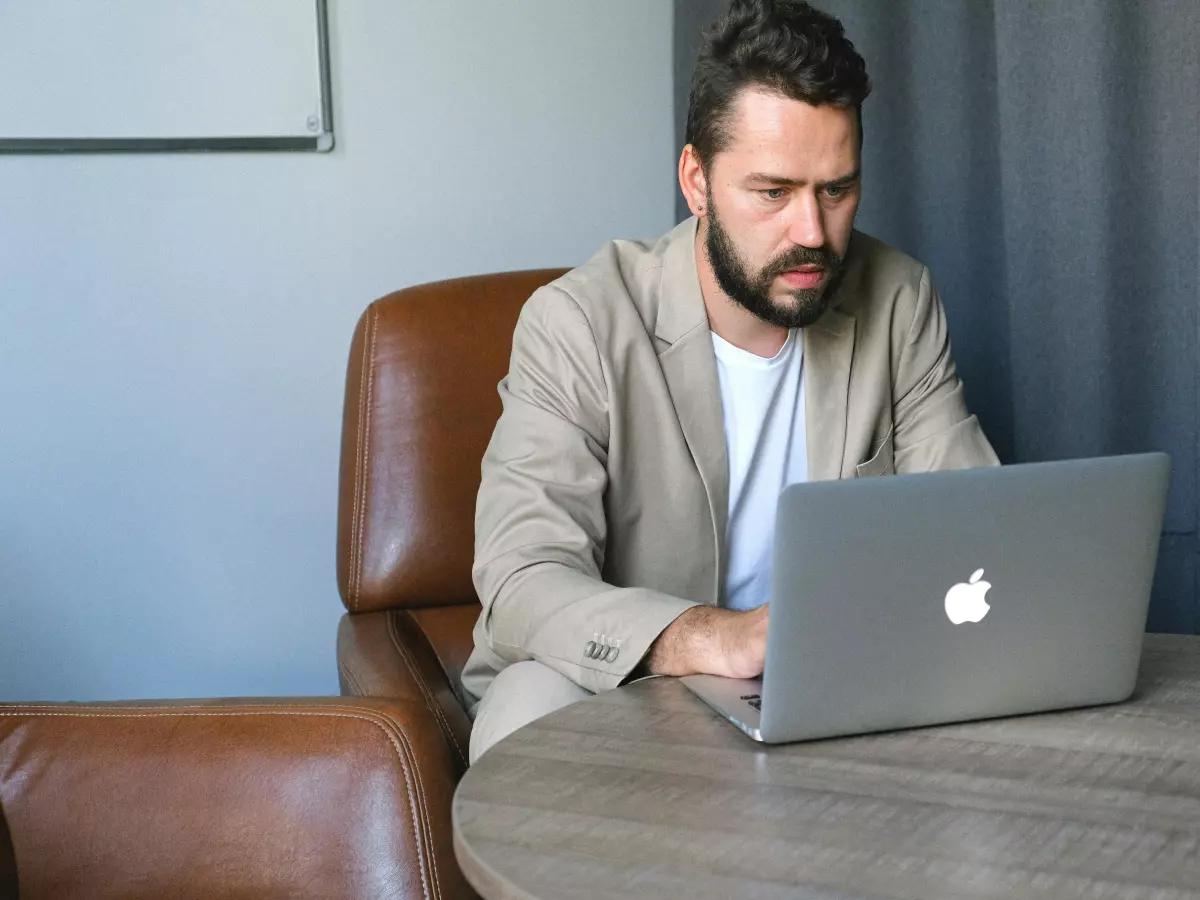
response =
{"points": [[1043, 158]]}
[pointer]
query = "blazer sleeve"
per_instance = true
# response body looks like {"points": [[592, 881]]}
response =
{"points": [[540, 526], [933, 429]]}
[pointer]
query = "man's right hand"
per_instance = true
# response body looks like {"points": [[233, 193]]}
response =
{"points": [[706, 640]]}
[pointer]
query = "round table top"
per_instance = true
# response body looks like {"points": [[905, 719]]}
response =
{"points": [[643, 791]]}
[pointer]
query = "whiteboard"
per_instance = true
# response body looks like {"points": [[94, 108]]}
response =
{"points": [[145, 75]]}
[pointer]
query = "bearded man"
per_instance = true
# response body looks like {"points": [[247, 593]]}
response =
{"points": [[660, 396]]}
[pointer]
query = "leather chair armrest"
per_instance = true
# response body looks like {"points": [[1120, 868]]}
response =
{"points": [[389, 654], [297, 798]]}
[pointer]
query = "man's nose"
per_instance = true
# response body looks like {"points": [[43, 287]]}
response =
{"points": [[807, 225]]}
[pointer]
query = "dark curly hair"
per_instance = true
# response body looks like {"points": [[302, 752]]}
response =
{"points": [[784, 46]]}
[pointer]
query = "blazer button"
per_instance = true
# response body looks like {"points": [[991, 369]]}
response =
{"points": [[590, 649], [611, 655]]}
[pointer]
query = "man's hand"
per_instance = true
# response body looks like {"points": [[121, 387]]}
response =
{"points": [[705, 640]]}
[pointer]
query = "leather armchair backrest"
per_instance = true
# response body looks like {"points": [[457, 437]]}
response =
{"points": [[421, 404]]}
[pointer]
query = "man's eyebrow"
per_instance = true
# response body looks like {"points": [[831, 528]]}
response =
{"points": [[844, 180], [780, 181]]}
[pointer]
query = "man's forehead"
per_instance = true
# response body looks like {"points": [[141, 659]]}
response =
{"points": [[767, 123]]}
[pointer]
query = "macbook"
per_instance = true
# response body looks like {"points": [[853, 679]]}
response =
{"points": [[914, 600]]}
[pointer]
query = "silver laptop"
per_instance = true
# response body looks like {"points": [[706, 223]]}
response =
{"points": [[919, 599]]}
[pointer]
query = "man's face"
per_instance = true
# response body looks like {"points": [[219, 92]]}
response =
{"points": [[781, 204]]}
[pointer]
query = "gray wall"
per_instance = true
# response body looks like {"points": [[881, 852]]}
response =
{"points": [[1041, 156], [174, 329]]}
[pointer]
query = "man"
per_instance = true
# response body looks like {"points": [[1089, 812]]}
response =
{"points": [[661, 396]]}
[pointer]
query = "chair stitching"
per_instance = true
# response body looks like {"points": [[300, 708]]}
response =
{"points": [[426, 824], [358, 476], [421, 821], [453, 682], [352, 679], [430, 700], [364, 450]]}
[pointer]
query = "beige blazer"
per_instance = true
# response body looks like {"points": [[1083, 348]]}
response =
{"points": [[602, 512]]}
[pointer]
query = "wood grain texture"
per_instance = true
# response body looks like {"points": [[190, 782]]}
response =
{"points": [[644, 792]]}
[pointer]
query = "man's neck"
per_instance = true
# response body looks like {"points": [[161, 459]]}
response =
{"points": [[729, 320]]}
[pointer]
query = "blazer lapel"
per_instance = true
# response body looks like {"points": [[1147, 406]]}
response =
{"points": [[689, 366], [828, 350]]}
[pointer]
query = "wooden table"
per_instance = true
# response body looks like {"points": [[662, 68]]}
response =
{"points": [[644, 792]]}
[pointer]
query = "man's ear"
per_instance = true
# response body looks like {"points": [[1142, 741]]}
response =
{"points": [[692, 181]]}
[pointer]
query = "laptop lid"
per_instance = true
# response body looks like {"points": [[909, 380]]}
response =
{"points": [[917, 599]]}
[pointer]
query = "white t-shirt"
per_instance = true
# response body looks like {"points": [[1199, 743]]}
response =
{"points": [[763, 403]]}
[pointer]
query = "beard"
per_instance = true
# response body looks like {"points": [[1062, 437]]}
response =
{"points": [[752, 290]]}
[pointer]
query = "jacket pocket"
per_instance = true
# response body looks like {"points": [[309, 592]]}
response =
{"points": [[883, 462]]}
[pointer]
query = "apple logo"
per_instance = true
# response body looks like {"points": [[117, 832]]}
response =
{"points": [[965, 601]]}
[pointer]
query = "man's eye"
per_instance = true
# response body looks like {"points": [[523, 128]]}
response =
{"points": [[773, 193], [836, 190]]}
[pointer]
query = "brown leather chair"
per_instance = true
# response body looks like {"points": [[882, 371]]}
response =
{"points": [[290, 799], [421, 403], [304, 798]]}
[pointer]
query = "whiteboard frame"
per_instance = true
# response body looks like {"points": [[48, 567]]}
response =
{"points": [[321, 141]]}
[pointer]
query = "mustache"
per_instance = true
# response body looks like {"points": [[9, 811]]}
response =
{"points": [[801, 256]]}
